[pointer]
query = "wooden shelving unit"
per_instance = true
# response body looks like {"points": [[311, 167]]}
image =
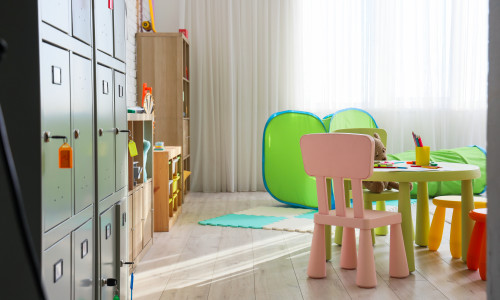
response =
{"points": [[141, 200], [163, 63], [167, 187]]}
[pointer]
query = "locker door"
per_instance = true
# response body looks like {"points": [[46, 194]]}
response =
{"points": [[122, 218], [103, 14], [83, 257], [119, 29], [121, 137], [55, 113], [105, 133], [56, 13], [82, 108], [82, 20], [109, 260], [56, 270]]}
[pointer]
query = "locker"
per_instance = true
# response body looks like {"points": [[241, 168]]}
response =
{"points": [[119, 29], [105, 133], [83, 257], [82, 20], [122, 218], [103, 25], [56, 13], [121, 137], [56, 270], [55, 111], [109, 260], [82, 131]]}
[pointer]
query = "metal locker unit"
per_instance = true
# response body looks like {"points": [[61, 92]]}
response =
{"points": [[103, 25], [120, 113], [119, 29], [82, 20], [123, 265], [82, 108], [56, 13], [111, 136], [55, 116], [105, 132], [83, 262], [108, 258], [56, 270], [50, 88]]}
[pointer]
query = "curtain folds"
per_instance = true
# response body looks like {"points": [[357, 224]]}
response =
{"points": [[414, 65]]}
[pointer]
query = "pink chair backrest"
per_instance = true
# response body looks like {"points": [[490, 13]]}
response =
{"points": [[338, 156]]}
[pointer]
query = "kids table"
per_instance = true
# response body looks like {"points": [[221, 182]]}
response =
{"points": [[449, 172]]}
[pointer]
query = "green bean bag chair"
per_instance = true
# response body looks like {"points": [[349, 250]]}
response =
{"points": [[474, 155]]}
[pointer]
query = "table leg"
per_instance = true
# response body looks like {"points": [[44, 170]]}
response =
{"points": [[328, 228], [404, 207], [423, 223], [467, 223]]}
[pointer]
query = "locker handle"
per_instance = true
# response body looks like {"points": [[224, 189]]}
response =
{"points": [[117, 131], [77, 133], [102, 131], [122, 262], [47, 137]]}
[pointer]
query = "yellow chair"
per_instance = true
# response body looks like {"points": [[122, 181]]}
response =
{"points": [[436, 230], [368, 196]]}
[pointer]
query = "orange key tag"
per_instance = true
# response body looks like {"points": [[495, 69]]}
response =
{"points": [[65, 156], [132, 148]]}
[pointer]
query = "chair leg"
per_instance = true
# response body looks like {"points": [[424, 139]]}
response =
{"points": [[456, 233], [380, 205], [474, 250], [368, 205], [348, 251], [436, 230], [482, 258], [366, 276], [317, 264], [398, 265]]}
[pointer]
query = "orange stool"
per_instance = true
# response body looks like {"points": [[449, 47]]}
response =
{"points": [[476, 255], [436, 230]]}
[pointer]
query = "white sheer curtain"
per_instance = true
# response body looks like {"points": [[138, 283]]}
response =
{"points": [[242, 71], [414, 65]]}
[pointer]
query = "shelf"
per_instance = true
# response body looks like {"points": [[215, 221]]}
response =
{"points": [[185, 118], [185, 79], [140, 117], [186, 156], [186, 174]]}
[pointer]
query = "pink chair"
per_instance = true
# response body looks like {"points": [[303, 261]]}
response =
{"points": [[339, 156]]}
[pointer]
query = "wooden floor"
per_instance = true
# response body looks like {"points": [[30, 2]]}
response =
{"points": [[210, 262]]}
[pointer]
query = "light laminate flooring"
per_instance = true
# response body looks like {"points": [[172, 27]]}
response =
{"points": [[210, 262]]}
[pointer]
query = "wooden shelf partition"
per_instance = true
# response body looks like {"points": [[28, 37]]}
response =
{"points": [[141, 200], [163, 63], [167, 187]]}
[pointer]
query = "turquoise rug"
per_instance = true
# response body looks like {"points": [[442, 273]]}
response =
{"points": [[283, 218]]}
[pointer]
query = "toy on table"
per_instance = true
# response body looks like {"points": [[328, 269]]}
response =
{"points": [[380, 155]]}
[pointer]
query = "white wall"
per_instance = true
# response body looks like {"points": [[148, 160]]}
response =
{"points": [[169, 15], [130, 31]]}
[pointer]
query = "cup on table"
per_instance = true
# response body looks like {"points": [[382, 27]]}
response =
{"points": [[422, 155]]}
